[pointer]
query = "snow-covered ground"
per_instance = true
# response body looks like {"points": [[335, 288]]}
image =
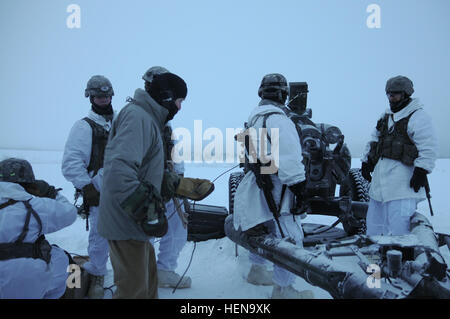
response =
{"points": [[215, 269]]}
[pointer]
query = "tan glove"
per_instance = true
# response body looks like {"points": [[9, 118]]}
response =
{"points": [[194, 188]]}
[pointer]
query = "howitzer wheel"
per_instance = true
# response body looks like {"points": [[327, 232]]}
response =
{"points": [[357, 187], [233, 183]]}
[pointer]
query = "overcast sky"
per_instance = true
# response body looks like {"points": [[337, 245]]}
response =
{"points": [[222, 49]]}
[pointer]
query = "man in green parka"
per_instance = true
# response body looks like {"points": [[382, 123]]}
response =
{"points": [[135, 185]]}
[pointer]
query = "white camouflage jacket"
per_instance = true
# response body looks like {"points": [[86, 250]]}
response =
{"points": [[77, 153], [250, 206], [391, 178], [28, 277]]}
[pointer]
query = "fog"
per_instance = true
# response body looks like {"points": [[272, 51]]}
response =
{"points": [[345, 50]]}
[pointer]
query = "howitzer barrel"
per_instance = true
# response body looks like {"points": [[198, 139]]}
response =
{"points": [[335, 207], [339, 279], [344, 279]]}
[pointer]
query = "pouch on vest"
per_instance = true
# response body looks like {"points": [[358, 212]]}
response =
{"points": [[393, 143], [410, 153], [397, 149]]}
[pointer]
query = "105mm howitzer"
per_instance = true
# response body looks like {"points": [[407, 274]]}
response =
{"points": [[346, 262]]}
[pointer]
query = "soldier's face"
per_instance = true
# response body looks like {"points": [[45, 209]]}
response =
{"points": [[178, 103], [394, 97], [102, 100]]}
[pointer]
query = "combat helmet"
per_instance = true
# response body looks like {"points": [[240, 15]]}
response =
{"points": [[154, 70], [400, 84], [98, 85], [274, 86], [16, 170]]}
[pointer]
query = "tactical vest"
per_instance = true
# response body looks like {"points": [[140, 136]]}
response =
{"points": [[394, 143], [39, 249], [99, 140]]}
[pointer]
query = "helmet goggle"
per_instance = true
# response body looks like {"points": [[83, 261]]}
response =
{"points": [[105, 88], [102, 91]]}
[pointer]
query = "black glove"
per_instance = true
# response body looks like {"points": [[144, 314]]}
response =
{"points": [[419, 179], [301, 206], [298, 189], [91, 195], [366, 169], [41, 188]]}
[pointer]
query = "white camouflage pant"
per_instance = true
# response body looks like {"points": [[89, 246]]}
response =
{"points": [[171, 244], [390, 218], [98, 249], [291, 228]]}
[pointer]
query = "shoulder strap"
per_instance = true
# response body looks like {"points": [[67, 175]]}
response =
{"points": [[89, 121], [30, 211], [8, 203], [94, 125], [382, 123], [402, 127], [265, 117], [406, 119]]}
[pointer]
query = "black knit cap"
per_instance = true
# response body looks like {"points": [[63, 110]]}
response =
{"points": [[167, 86]]}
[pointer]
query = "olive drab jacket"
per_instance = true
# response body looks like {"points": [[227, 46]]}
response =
{"points": [[390, 178], [136, 133]]}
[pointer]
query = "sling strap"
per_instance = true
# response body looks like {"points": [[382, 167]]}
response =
{"points": [[8, 203]]}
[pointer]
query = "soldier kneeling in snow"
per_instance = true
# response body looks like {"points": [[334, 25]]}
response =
{"points": [[29, 266]]}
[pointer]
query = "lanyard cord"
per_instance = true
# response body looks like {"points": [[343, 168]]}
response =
{"points": [[195, 244]]}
